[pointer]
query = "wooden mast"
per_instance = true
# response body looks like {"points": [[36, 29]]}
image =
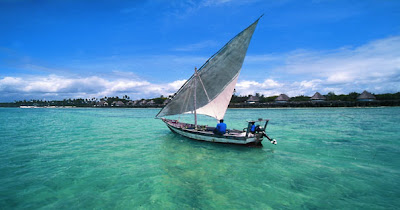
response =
{"points": [[195, 87]]}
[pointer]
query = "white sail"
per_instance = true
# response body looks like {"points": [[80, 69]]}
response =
{"points": [[216, 80], [217, 107]]}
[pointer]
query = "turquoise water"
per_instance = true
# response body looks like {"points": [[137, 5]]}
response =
{"points": [[333, 158]]}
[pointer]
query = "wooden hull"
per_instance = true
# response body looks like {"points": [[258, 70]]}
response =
{"points": [[187, 130]]}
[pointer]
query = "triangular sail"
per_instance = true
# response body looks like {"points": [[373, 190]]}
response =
{"points": [[218, 79]]}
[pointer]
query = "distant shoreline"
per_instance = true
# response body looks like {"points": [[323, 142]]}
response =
{"points": [[304, 104], [313, 104]]}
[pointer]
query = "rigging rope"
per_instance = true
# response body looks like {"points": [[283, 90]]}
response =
{"points": [[204, 88]]}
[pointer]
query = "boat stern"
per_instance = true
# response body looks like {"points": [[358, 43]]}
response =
{"points": [[258, 132]]}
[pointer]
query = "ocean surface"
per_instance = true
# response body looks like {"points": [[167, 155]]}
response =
{"points": [[326, 158]]}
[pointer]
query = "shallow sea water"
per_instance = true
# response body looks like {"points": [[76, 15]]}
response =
{"points": [[326, 158]]}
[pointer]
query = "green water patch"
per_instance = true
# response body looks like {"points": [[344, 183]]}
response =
{"points": [[124, 158]]}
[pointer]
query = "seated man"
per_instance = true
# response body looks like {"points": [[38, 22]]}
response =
{"points": [[221, 128], [253, 128]]}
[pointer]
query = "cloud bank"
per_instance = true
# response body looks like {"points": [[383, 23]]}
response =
{"points": [[59, 87], [374, 66]]}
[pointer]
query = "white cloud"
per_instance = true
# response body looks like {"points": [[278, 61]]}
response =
{"points": [[361, 62], [60, 87], [268, 87], [176, 84], [374, 66]]}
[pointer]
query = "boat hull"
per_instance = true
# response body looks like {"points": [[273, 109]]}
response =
{"points": [[208, 136]]}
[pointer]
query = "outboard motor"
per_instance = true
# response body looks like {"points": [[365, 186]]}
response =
{"points": [[273, 141], [259, 131]]}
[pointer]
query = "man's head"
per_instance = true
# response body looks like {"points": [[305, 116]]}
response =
{"points": [[221, 120]]}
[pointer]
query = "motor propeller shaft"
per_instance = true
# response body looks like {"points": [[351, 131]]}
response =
{"points": [[273, 141]]}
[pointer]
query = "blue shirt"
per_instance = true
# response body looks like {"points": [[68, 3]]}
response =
{"points": [[221, 127], [253, 128]]}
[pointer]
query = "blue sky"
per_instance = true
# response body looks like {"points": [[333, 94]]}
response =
{"points": [[68, 49]]}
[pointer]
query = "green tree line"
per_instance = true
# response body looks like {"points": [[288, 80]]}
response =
{"points": [[236, 99], [331, 96]]}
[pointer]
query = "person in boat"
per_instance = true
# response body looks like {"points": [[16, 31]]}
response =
{"points": [[253, 128], [221, 128]]}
